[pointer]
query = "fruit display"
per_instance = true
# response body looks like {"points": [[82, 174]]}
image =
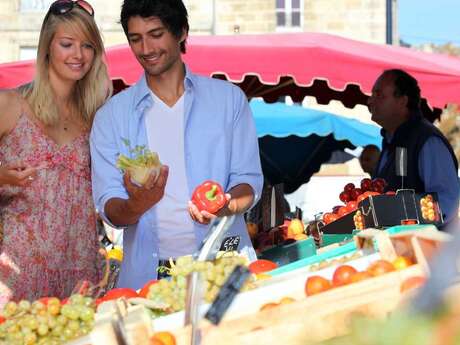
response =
{"points": [[351, 196], [141, 166], [429, 207], [358, 219], [346, 274], [262, 266], [295, 228], [171, 292], [47, 320], [163, 338], [209, 196]]}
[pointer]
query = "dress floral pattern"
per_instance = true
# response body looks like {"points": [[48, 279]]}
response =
{"points": [[49, 241]]}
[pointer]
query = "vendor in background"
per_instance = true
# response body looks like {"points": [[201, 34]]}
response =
{"points": [[369, 158], [431, 162], [202, 128], [49, 240]]}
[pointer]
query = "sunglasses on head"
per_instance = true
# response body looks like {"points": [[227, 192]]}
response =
{"points": [[63, 6]]}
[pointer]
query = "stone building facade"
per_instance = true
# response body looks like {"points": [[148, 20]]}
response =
{"points": [[365, 20]]}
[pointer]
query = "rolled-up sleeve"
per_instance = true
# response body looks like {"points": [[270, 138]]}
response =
{"points": [[245, 160], [107, 180]]}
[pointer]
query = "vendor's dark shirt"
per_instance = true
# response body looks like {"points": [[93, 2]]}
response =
{"points": [[437, 171]]}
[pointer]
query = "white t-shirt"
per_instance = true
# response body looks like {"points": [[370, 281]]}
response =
{"points": [[165, 134]]}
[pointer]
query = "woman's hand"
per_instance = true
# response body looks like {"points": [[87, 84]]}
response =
{"points": [[17, 174]]}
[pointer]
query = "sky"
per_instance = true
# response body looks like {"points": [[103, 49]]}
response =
{"points": [[429, 21]]}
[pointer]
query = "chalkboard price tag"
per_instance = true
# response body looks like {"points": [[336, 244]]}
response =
{"points": [[230, 244], [227, 294]]}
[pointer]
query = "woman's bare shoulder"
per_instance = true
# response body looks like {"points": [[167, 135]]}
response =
{"points": [[9, 98], [10, 109]]}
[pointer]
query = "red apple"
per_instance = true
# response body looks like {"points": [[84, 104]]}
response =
{"points": [[349, 187], [344, 197], [355, 193], [366, 184]]}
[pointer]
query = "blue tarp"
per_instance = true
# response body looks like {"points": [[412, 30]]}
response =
{"points": [[281, 120], [295, 141]]}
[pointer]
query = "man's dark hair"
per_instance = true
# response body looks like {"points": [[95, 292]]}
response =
{"points": [[172, 14], [406, 85]]}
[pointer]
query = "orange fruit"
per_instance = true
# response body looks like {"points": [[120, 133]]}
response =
{"points": [[163, 338], [412, 283], [269, 306], [380, 267], [316, 284], [402, 262], [358, 276], [287, 300], [342, 275]]}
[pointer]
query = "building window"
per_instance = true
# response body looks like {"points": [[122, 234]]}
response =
{"points": [[27, 53], [35, 5], [289, 13]]}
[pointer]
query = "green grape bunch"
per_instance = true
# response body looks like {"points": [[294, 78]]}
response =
{"points": [[171, 292], [47, 321]]}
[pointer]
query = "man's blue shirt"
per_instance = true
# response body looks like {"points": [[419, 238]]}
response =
{"points": [[437, 171], [220, 144]]}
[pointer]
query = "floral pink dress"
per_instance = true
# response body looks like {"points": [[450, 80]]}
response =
{"points": [[49, 241]]}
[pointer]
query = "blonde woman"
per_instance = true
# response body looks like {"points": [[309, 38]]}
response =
{"points": [[49, 241]]}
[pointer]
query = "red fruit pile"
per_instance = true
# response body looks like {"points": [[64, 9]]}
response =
{"points": [[351, 196]]}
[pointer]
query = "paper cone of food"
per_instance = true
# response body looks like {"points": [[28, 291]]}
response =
{"points": [[141, 167]]}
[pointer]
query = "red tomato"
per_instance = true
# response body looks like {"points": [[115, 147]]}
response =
{"points": [[378, 185], [349, 187], [352, 206], [2, 319], [366, 184], [260, 266], [344, 197], [119, 293], [327, 217], [355, 193], [342, 211], [379, 181], [380, 267], [335, 209], [361, 197], [316, 284], [343, 274], [334, 217], [145, 289]]}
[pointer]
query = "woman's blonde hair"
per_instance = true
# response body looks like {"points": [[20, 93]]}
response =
{"points": [[90, 92]]}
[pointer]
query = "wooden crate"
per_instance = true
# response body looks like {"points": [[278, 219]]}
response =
{"points": [[313, 318]]}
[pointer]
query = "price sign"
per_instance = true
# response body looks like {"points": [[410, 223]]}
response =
{"points": [[230, 244], [227, 294]]}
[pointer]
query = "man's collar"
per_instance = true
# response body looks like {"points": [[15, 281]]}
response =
{"points": [[142, 98], [415, 116]]}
